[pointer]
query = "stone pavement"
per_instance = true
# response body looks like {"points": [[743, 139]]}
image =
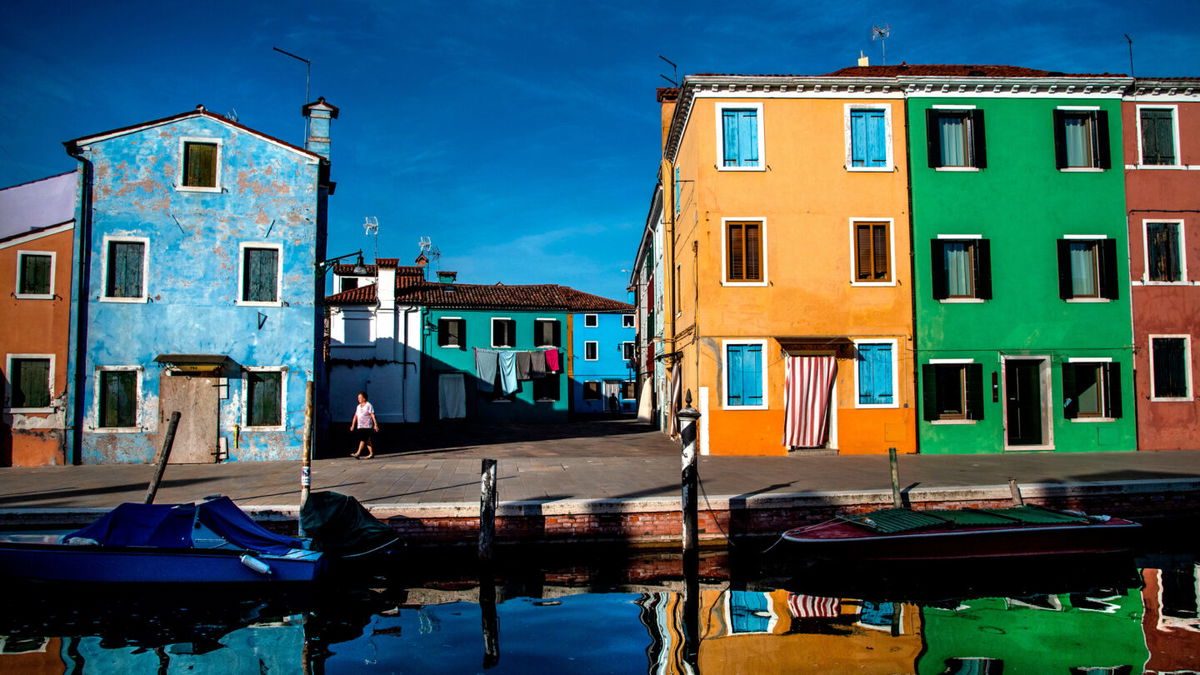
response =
{"points": [[619, 463]]}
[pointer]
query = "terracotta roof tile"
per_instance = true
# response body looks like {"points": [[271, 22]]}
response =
{"points": [[952, 70], [481, 296]]}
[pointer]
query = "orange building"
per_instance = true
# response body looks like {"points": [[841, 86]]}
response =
{"points": [[37, 226], [788, 303]]}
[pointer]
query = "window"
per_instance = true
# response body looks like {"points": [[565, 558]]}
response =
{"points": [[1164, 252], [35, 275], [547, 333], [962, 268], [745, 377], [1091, 389], [955, 138], [504, 333], [1157, 133], [743, 252], [868, 138], [125, 269], [1170, 368], [30, 379], [261, 274], [546, 388], [740, 131], [872, 252], [591, 391], [356, 327], [628, 390], [452, 332], [626, 321], [678, 190], [591, 320], [199, 164], [348, 283], [591, 350], [750, 612], [1081, 138], [952, 391], [875, 374], [627, 351], [118, 394], [1087, 268], [264, 398]]}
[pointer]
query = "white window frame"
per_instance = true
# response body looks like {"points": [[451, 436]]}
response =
{"points": [[1183, 274], [632, 350], [440, 319], [1098, 261], [766, 279], [547, 319], [895, 344], [493, 333], [721, 107], [1095, 360], [891, 223], [183, 141], [137, 409], [890, 162], [1095, 130], [973, 300], [8, 369], [111, 239], [21, 253], [1187, 365], [1174, 133], [591, 320], [944, 362], [596, 347], [766, 403], [241, 279], [627, 321], [283, 416], [727, 606], [959, 108]]}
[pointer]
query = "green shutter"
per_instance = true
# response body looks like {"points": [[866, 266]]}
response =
{"points": [[200, 164], [125, 263], [260, 275], [30, 382], [35, 274], [118, 398], [264, 399]]}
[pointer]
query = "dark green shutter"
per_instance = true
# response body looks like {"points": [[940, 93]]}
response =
{"points": [[1060, 139], [200, 164], [937, 266], [983, 269], [30, 382], [118, 398], [1112, 390], [1110, 283], [974, 391], [1070, 395], [929, 406], [260, 270], [125, 261], [978, 139], [933, 140], [1065, 289], [1103, 151], [263, 399]]}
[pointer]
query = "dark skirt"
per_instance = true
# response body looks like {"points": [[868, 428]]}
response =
{"points": [[364, 434]]}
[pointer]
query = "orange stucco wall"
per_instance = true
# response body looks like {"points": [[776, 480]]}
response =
{"points": [[806, 199], [36, 327]]}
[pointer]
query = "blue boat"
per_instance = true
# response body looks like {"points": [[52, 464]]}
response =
{"points": [[210, 542]]}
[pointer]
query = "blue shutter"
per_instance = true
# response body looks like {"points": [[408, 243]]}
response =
{"points": [[748, 138], [876, 132], [730, 119], [866, 375], [733, 375], [858, 138], [752, 380], [875, 374], [677, 190], [883, 374], [749, 611]]}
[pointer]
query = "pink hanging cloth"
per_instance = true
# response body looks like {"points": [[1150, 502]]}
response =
{"points": [[808, 385], [552, 363]]}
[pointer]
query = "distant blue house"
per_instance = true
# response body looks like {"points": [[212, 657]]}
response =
{"points": [[198, 243], [603, 366]]}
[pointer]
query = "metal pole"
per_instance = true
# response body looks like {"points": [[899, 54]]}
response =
{"points": [[164, 454], [306, 461], [690, 477], [897, 501], [487, 510]]}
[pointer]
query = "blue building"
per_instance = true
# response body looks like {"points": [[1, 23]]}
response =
{"points": [[197, 252], [603, 367]]}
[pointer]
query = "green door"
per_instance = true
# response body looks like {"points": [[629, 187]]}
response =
{"points": [[1023, 388]]}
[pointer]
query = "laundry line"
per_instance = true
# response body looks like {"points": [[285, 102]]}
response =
{"points": [[511, 366]]}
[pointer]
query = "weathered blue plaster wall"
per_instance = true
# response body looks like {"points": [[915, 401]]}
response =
{"points": [[609, 334], [269, 193]]}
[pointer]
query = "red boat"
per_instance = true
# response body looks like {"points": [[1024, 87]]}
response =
{"points": [[904, 534]]}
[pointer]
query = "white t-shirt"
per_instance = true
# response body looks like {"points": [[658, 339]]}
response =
{"points": [[362, 415]]}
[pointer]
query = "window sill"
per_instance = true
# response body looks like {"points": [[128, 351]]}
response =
{"points": [[876, 406], [1092, 420], [868, 284], [587, 359], [871, 169], [1081, 169], [548, 347], [34, 296], [741, 283], [502, 347], [951, 422], [741, 168], [1088, 300], [960, 169], [196, 188], [24, 411], [546, 400], [259, 429], [458, 347], [1156, 283], [962, 301], [1173, 399], [117, 430], [142, 300], [1161, 167], [744, 407], [257, 303]]}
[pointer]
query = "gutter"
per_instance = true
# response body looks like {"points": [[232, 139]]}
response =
{"points": [[77, 335]]}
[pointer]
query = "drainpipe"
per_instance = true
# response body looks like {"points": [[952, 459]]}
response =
{"points": [[404, 364], [77, 331]]}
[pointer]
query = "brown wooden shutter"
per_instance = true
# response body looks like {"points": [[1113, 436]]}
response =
{"points": [[862, 252], [736, 263], [880, 251], [753, 252]]}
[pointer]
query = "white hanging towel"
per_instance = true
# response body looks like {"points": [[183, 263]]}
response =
{"points": [[808, 384], [452, 397]]}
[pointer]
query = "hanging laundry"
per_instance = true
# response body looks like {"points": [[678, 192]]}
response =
{"points": [[552, 363], [537, 364], [508, 372], [452, 397], [485, 368], [523, 365]]}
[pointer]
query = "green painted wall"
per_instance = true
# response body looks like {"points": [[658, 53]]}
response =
{"points": [[480, 407], [1023, 204]]}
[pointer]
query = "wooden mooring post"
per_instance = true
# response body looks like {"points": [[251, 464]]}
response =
{"points": [[689, 419], [897, 499], [487, 510], [164, 454], [306, 462]]}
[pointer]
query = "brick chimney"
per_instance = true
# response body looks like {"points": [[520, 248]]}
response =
{"points": [[320, 115], [667, 97]]}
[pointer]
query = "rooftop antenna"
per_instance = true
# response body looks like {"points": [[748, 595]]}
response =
{"points": [[674, 72], [371, 229], [430, 252], [1130, 41], [232, 115], [881, 33], [307, 80]]}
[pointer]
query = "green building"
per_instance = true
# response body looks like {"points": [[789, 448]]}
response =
{"points": [[1023, 325]]}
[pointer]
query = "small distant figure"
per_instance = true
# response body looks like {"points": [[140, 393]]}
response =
{"points": [[613, 404], [364, 426]]}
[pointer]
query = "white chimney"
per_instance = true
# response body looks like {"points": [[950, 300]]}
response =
{"points": [[863, 59]]}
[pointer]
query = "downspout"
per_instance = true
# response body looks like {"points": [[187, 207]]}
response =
{"points": [[77, 331], [404, 364], [918, 402]]}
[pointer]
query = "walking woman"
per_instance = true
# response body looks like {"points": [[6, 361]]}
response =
{"points": [[364, 426]]}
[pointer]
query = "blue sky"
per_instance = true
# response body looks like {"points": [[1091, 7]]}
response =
{"points": [[522, 137]]}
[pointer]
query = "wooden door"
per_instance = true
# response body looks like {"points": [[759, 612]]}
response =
{"points": [[196, 400], [1023, 388]]}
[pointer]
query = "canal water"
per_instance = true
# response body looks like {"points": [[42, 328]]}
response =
{"points": [[629, 611]]}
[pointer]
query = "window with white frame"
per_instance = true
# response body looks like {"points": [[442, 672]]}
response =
{"points": [[264, 397], [1081, 138], [1158, 143], [740, 131], [1164, 252], [955, 137], [627, 351], [952, 390], [126, 268], [261, 275], [961, 267], [35, 275], [200, 165], [547, 333], [30, 380], [452, 332], [1087, 268], [868, 137], [591, 350], [1170, 368], [626, 321], [744, 259], [745, 381], [591, 320], [1091, 389], [875, 374], [117, 397], [872, 252], [504, 332]]}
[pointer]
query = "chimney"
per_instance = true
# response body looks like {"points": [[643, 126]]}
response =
{"points": [[446, 276], [863, 59], [423, 263], [667, 97], [319, 114], [385, 311]]}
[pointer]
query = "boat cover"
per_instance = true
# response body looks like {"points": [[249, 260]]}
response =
{"points": [[339, 524], [171, 526]]}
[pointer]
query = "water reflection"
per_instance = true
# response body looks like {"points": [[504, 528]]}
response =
{"points": [[639, 614]]}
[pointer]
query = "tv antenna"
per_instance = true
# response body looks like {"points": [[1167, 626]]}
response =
{"points": [[881, 33], [371, 229], [232, 115], [674, 80], [430, 251], [307, 81], [1130, 41]]}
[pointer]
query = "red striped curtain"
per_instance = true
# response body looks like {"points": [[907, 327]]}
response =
{"points": [[808, 384], [813, 607]]}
